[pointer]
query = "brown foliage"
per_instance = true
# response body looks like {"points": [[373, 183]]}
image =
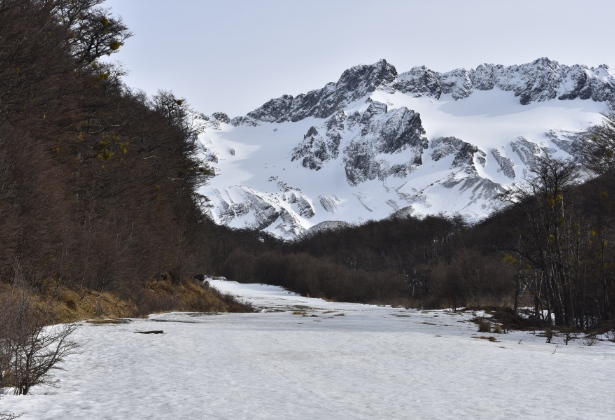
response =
{"points": [[96, 182], [28, 349]]}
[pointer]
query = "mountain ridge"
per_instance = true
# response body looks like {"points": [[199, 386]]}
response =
{"points": [[541, 80], [376, 143]]}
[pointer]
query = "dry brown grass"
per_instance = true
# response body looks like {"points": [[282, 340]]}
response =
{"points": [[484, 326], [166, 296], [75, 305], [70, 305], [489, 338]]}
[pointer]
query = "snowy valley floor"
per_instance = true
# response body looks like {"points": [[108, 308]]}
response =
{"points": [[303, 358]]}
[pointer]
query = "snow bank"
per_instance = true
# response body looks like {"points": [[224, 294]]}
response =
{"points": [[302, 358]]}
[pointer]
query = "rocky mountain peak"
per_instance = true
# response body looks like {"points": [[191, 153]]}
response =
{"points": [[354, 83], [541, 80], [364, 79], [379, 143]]}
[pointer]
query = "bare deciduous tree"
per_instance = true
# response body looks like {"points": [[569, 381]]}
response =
{"points": [[598, 149], [5, 415], [29, 349], [560, 243]]}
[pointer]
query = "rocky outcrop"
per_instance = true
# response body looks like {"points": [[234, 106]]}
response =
{"points": [[260, 210], [419, 81], [527, 151], [480, 190], [568, 141], [538, 81], [457, 83], [465, 154], [247, 121], [375, 131], [506, 164], [354, 84], [222, 117], [316, 149]]}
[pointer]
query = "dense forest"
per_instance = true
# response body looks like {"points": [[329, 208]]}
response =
{"points": [[98, 195], [97, 181]]}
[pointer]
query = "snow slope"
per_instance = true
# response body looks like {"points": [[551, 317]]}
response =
{"points": [[303, 358], [376, 142]]}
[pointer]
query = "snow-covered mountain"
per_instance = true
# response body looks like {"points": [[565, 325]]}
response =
{"points": [[377, 142]]}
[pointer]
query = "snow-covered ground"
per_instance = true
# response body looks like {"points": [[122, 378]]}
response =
{"points": [[303, 358]]}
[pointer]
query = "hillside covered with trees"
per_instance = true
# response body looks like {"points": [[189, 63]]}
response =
{"points": [[97, 181]]}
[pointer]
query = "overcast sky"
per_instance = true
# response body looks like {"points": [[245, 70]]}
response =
{"points": [[234, 55]]}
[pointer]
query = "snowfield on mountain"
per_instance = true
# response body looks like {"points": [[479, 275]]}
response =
{"points": [[378, 143], [305, 358]]}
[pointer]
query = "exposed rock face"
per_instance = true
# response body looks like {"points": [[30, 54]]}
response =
{"points": [[373, 132], [480, 189], [222, 117], [329, 202], [249, 121], [465, 153], [354, 84], [419, 81], [334, 225], [400, 129], [262, 211], [316, 149], [568, 141], [457, 83], [527, 151], [506, 164], [539, 81], [483, 77]]}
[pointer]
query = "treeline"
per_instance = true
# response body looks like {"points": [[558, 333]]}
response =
{"points": [[97, 182], [551, 250], [402, 261]]}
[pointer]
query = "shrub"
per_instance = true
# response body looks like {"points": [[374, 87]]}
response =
{"points": [[484, 326], [29, 349], [590, 340]]}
